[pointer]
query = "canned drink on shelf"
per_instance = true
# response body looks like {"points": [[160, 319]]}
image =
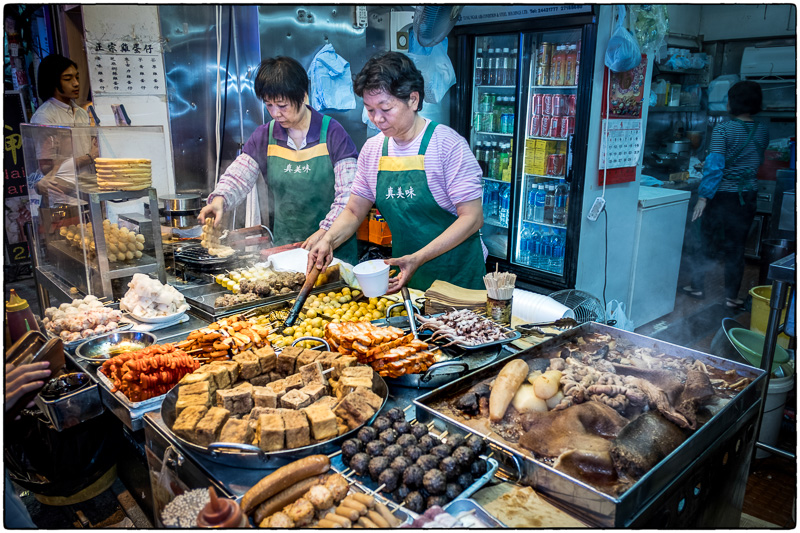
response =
{"points": [[536, 104], [558, 105], [563, 127], [551, 165], [571, 105], [558, 164], [543, 63], [555, 125], [477, 121], [570, 125], [487, 123], [547, 105], [544, 130], [536, 125]]}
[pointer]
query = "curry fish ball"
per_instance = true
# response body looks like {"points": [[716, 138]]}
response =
{"points": [[128, 255], [120, 257], [131, 247], [140, 238], [137, 254], [139, 246]]}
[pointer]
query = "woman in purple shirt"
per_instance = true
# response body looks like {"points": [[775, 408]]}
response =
{"points": [[306, 158]]}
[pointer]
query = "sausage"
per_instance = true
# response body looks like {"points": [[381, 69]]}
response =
{"points": [[387, 514], [366, 499], [378, 519], [327, 524], [347, 512], [283, 478], [285, 497], [333, 517], [355, 504], [367, 523]]}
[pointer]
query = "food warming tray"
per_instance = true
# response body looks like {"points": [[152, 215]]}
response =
{"points": [[252, 457], [510, 335], [700, 484]]}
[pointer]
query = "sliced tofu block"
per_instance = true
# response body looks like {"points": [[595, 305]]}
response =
{"points": [[186, 423], [322, 421], [298, 433], [207, 430], [294, 399], [271, 432], [287, 360], [265, 397], [312, 373], [236, 430]]}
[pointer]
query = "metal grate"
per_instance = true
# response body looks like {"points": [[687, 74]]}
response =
{"points": [[197, 256]]}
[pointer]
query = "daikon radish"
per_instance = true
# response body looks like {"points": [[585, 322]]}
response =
{"points": [[555, 400], [547, 385], [505, 387], [525, 401], [533, 375]]}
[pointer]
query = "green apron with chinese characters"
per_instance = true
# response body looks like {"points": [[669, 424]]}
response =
{"points": [[303, 185], [415, 219]]}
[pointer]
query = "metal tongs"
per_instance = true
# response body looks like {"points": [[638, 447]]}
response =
{"points": [[536, 328], [412, 322]]}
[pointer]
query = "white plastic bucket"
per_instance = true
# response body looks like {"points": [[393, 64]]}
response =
{"points": [[373, 277], [773, 412]]}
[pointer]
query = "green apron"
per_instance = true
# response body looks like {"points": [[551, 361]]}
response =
{"points": [[303, 185], [404, 199]]}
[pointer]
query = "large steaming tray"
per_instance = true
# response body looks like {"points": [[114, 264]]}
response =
{"points": [[700, 484]]}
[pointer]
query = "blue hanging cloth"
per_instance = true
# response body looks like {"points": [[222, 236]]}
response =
{"points": [[331, 82]]}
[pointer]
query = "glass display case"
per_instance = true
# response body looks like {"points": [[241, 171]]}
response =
{"points": [[79, 179]]}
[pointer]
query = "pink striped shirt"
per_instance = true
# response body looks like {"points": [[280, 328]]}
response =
{"points": [[454, 175]]}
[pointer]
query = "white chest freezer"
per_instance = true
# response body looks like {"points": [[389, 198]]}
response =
{"points": [[660, 224]]}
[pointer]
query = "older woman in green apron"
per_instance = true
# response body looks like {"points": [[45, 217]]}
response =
{"points": [[306, 158], [423, 179]]}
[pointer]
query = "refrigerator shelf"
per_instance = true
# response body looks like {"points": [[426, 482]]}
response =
{"points": [[495, 134], [496, 86], [557, 226], [496, 180], [494, 221], [557, 87], [548, 138], [549, 176]]}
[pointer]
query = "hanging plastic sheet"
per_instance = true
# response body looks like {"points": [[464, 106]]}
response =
{"points": [[331, 82], [435, 65], [622, 51]]}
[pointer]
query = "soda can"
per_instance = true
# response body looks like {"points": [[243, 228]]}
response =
{"points": [[558, 164], [571, 105], [559, 107], [543, 63], [547, 105], [537, 104], [504, 123], [570, 125], [477, 121], [536, 125], [545, 127], [551, 165], [555, 124], [487, 125], [563, 130]]}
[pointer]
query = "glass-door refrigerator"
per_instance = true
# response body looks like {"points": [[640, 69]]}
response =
{"points": [[524, 94]]}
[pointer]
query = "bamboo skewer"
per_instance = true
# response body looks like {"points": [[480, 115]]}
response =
{"points": [[331, 456]]}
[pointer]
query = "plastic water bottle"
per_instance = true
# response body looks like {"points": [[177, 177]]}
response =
{"points": [[479, 66], [504, 201], [495, 202], [487, 198], [535, 248], [525, 245], [560, 207], [547, 252], [538, 207], [557, 259], [531, 201], [549, 204]]}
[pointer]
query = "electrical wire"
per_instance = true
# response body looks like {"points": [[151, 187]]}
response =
{"points": [[218, 98], [605, 261]]}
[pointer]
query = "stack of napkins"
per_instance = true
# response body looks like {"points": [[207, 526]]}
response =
{"points": [[442, 297]]}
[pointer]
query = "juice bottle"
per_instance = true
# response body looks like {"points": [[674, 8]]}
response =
{"points": [[572, 57], [557, 66]]}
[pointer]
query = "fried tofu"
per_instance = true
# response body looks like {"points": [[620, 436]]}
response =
{"points": [[312, 373], [341, 426], [355, 376], [297, 431], [326, 359], [236, 430], [186, 423], [322, 421], [294, 399], [260, 381], [231, 366], [315, 391], [328, 401], [199, 376], [295, 381], [249, 365], [264, 397], [220, 375], [207, 430], [194, 400], [271, 432], [199, 388], [357, 407], [238, 401], [307, 357], [287, 360], [246, 385], [278, 387], [341, 363], [267, 359], [274, 376]]}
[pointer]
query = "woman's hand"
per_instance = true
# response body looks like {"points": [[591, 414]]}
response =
{"points": [[23, 379], [408, 265], [309, 243], [214, 209], [320, 255], [699, 207]]}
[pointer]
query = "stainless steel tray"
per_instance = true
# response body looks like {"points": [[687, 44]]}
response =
{"points": [[461, 505], [731, 429], [511, 335]]}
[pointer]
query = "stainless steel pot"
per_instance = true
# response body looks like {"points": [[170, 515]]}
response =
{"points": [[678, 147], [249, 456], [182, 203]]}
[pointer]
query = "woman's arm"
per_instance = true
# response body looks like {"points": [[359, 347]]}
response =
{"points": [[233, 187], [343, 228], [470, 220]]}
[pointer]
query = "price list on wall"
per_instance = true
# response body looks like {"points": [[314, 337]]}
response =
{"points": [[126, 68]]}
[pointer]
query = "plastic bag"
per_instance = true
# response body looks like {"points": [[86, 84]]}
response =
{"points": [[331, 82], [615, 315], [649, 24], [436, 67], [622, 51]]}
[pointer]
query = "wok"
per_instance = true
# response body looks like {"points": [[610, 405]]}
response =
{"points": [[250, 456]]}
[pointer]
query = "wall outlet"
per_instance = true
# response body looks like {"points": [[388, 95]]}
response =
{"points": [[360, 17], [597, 208]]}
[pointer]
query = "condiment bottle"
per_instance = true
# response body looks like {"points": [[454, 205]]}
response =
{"points": [[221, 513], [19, 317]]}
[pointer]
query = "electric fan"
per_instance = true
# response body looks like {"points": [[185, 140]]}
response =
{"points": [[433, 23], [587, 308]]}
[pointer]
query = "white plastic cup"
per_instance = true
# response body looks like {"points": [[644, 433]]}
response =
{"points": [[531, 307], [373, 277]]}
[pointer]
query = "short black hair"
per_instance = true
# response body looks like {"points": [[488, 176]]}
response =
{"points": [[281, 77], [744, 97], [50, 70], [392, 72]]}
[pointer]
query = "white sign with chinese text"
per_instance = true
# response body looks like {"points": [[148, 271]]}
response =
{"points": [[129, 68]]}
